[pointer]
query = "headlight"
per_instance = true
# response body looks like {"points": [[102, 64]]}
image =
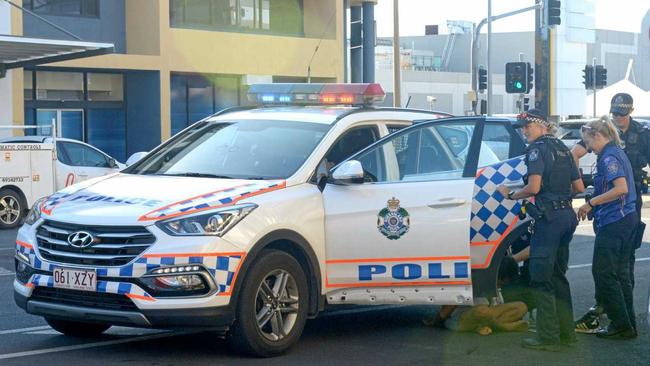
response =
{"points": [[35, 213], [215, 223]]}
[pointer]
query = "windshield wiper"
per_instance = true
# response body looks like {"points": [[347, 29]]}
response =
{"points": [[198, 175]]}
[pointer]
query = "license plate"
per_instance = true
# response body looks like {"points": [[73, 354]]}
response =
{"points": [[75, 279]]}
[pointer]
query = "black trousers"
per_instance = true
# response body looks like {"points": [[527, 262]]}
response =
{"points": [[611, 270], [639, 205], [549, 261]]}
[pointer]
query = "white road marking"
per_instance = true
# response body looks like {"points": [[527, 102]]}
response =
{"points": [[589, 264], [7, 248], [44, 332], [7, 273], [22, 330], [90, 345]]}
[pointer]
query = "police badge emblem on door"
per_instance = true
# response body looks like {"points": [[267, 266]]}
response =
{"points": [[393, 221]]}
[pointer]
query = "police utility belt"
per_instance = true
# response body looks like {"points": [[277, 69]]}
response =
{"points": [[540, 208]]}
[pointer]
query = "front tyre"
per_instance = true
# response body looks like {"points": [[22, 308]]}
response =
{"points": [[12, 208], [77, 329], [272, 308]]}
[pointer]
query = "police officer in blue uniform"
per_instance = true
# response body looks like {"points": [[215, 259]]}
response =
{"points": [[552, 179], [615, 220], [635, 141]]}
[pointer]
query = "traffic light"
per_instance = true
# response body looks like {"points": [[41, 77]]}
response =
{"points": [[588, 72], [601, 76], [554, 12], [482, 78], [529, 75], [516, 77], [526, 105]]}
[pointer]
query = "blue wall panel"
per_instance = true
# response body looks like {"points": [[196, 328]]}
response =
{"points": [[142, 111]]}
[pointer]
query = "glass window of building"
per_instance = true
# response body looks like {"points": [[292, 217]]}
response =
{"points": [[194, 97], [107, 131], [59, 86], [28, 82], [105, 87], [88, 8], [278, 16]]}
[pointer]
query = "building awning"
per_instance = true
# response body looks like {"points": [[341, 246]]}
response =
{"points": [[16, 51]]}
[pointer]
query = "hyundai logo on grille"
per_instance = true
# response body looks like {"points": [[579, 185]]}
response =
{"points": [[80, 239]]}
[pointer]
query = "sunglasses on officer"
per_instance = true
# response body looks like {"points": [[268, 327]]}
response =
{"points": [[616, 114]]}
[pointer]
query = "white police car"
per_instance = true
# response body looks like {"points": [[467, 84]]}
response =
{"points": [[239, 222]]}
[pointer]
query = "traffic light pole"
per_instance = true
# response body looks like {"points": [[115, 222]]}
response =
{"points": [[476, 43], [489, 60], [593, 63], [521, 95]]}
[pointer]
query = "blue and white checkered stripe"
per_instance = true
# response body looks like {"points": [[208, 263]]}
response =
{"points": [[213, 199], [492, 214], [223, 268], [121, 288]]}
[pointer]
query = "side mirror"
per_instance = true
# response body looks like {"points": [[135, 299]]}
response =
{"points": [[112, 163], [349, 172], [135, 158]]}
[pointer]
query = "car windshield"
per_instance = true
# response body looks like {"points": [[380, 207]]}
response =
{"points": [[241, 149]]}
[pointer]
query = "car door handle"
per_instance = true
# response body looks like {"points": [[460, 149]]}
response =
{"points": [[448, 202]]}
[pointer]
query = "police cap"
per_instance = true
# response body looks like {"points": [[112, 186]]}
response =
{"points": [[622, 104], [533, 115]]}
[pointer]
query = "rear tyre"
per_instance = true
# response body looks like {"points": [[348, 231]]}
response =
{"points": [[272, 307], [77, 329], [12, 208]]}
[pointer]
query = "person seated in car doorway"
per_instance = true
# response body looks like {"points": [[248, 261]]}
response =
{"points": [[484, 318]]}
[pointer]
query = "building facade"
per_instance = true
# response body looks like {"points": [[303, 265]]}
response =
{"points": [[175, 62]]}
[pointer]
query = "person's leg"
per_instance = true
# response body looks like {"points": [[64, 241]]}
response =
{"points": [[508, 312], [544, 244], [605, 264], [476, 317], [632, 260], [564, 302], [624, 273]]}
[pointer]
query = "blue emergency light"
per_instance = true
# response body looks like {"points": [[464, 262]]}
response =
{"points": [[315, 94]]}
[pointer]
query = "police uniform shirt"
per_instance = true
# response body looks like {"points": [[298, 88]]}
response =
{"points": [[539, 160], [613, 164], [636, 144], [637, 135]]}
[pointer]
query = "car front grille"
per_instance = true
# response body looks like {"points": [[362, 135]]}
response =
{"points": [[95, 300], [113, 246]]}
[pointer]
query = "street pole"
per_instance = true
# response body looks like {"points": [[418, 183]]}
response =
{"points": [[476, 40], [593, 64], [397, 83], [489, 60], [521, 95]]}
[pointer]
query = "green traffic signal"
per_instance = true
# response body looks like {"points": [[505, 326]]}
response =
{"points": [[518, 85]]}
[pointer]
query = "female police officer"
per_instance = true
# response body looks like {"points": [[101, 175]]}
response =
{"points": [[615, 221], [552, 178]]}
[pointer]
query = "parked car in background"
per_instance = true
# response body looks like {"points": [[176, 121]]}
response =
{"points": [[32, 167]]}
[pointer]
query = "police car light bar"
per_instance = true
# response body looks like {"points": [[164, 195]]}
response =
{"points": [[315, 94]]}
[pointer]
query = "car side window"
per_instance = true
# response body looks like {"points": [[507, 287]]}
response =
{"points": [[80, 155], [495, 145], [61, 154], [350, 143], [432, 152]]}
